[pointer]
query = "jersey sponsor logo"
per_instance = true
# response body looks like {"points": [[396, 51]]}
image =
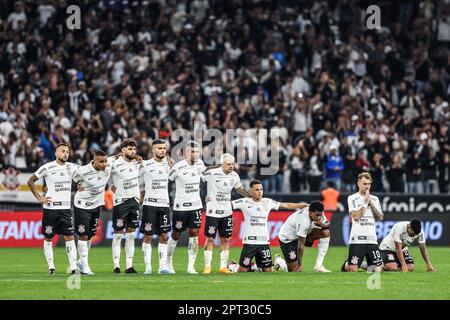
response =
{"points": [[211, 230], [185, 173], [122, 170], [119, 223], [292, 255], [91, 178], [354, 260], [48, 229], [390, 257], [246, 261], [81, 228], [362, 238]]}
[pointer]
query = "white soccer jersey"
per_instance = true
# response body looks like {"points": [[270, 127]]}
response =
{"points": [[187, 184], [94, 182], [125, 176], [363, 231], [58, 179], [298, 224], [219, 189], [256, 214], [398, 233], [156, 179]]}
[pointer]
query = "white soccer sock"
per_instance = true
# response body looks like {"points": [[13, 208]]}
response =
{"points": [[89, 243], [322, 250], [116, 249], [147, 253], [282, 263], [162, 253], [83, 253], [192, 251], [129, 249], [224, 258], [71, 250], [48, 252], [171, 245], [208, 258]]}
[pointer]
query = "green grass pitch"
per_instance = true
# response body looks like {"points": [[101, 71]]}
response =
{"points": [[23, 275]]}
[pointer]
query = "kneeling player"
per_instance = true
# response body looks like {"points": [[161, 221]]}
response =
{"points": [[394, 247], [256, 238], [92, 179], [300, 230]]}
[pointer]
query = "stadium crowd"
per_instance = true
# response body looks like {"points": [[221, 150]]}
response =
{"points": [[342, 98]]}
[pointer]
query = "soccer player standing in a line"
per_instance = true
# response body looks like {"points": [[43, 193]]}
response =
{"points": [[125, 176], [221, 181], [155, 216], [187, 210], [364, 210], [92, 179], [57, 215]]}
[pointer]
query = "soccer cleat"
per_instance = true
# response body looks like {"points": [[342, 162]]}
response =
{"points": [[191, 271], [165, 271], [74, 271], [276, 265], [321, 269], [117, 270], [364, 265], [170, 267], [80, 266], [148, 271], [130, 270], [51, 272], [224, 270], [88, 273], [207, 270]]}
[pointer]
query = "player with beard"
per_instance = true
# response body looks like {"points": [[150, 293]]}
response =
{"points": [[125, 177], [57, 201]]}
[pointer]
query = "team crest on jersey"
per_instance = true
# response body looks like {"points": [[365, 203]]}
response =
{"points": [[390, 257], [355, 260], [81, 228], [48, 229], [211, 230], [292, 255], [179, 224], [246, 261], [148, 227], [119, 223]]}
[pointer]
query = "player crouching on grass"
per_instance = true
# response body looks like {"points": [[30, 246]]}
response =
{"points": [[256, 240], [394, 247], [300, 230]]}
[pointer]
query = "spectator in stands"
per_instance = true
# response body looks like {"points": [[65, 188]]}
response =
{"points": [[334, 167]]}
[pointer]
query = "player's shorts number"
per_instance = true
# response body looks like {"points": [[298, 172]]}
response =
{"points": [[376, 255], [266, 254], [165, 219]]}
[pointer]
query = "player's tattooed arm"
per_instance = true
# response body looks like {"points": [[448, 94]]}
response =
{"points": [[377, 213], [300, 250], [142, 197], [32, 185], [244, 192], [357, 214], [426, 257], [401, 257], [292, 205], [170, 161]]}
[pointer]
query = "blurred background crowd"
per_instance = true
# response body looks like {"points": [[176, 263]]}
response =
{"points": [[341, 98]]}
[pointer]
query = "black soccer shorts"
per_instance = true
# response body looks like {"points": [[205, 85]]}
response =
{"points": [[155, 220], [391, 257], [126, 215], [86, 221], [289, 250], [261, 253], [58, 221], [357, 253], [181, 220], [223, 225]]}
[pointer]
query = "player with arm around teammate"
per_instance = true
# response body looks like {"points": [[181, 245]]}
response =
{"points": [[299, 230], [394, 247], [256, 240]]}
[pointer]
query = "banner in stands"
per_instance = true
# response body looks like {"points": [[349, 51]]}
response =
{"points": [[22, 229], [14, 187]]}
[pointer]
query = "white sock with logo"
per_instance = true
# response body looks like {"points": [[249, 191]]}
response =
{"points": [[171, 245], [208, 258], [147, 253], [162, 254], [129, 249], [116, 249], [322, 250], [83, 253], [224, 258], [48, 252], [192, 252], [71, 250]]}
